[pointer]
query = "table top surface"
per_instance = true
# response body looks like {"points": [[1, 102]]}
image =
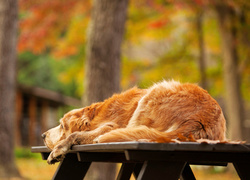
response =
{"points": [[183, 146]]}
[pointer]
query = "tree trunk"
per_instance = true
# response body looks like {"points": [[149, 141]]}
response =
{"points": [[103, 61], [234, 103], [8, 37], [202, 63], [244, 39]]}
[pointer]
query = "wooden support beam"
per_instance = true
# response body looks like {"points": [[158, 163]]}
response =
{"points": [[187, 173], [32, 119], [44, 116], [126, 171], [160, 170], [19, 115]]}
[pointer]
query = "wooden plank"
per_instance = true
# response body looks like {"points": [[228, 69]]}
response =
{"points": [[40, 149], [116, 146], [120, 147], [44, 116], [194, 146], [101, 157], [183, 146], [190, 157], [50, 95], [32, 119], [161, 170], [19, 115], [191, 147]]}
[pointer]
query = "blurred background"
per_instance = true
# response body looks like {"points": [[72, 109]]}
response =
{"points": [[70, 53]]}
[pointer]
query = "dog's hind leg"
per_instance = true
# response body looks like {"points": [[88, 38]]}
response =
{"points": [[140, 133], [144, 133]]}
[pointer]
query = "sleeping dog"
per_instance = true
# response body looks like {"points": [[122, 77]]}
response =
{"points": [[161, 113]]}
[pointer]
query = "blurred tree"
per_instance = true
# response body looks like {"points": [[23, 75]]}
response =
{"points": [[202, 62], [46, 25], [106, 32], [235, 108], [8, 38]]}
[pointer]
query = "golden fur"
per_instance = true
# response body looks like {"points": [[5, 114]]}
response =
{"points": [[167, 110]]}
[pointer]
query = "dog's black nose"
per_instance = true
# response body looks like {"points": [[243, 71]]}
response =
{"points": [[43, 135]]}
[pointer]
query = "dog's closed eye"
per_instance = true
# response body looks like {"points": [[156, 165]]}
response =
{"points": [[86, 123], [61, 126]]}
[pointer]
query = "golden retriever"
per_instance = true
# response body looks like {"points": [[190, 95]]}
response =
{"points": [[167, 110]]}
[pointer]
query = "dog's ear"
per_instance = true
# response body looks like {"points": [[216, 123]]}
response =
{"points": [[83, 124], [93, 110], [79, 120], [91, 113]]}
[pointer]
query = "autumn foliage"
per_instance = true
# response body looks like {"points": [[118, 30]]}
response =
{"points": [[159, 35], [45, 24]]}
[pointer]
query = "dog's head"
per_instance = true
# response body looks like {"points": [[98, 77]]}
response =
{"points": [[74, 120]]}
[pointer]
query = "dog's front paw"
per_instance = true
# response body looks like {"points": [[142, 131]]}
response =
{"points": [[57, 154], [55, 157], [97, 140], [103, 139]]}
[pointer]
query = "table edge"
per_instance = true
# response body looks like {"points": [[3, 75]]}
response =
{"points": [[121, 146]]}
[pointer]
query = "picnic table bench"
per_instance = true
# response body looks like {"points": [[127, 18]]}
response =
{"points": [[151, 160]]}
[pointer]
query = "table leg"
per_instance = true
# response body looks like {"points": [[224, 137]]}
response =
{"points": [[187, 173], [161, 170], [243, 170], [126, 171], [45, 156], [71, 168], [137, 169]]}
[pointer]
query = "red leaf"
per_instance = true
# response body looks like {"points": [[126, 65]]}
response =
{"points": [[158, 24]]}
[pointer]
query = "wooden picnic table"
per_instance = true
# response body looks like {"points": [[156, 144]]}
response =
{"points": [[151, 160]]}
